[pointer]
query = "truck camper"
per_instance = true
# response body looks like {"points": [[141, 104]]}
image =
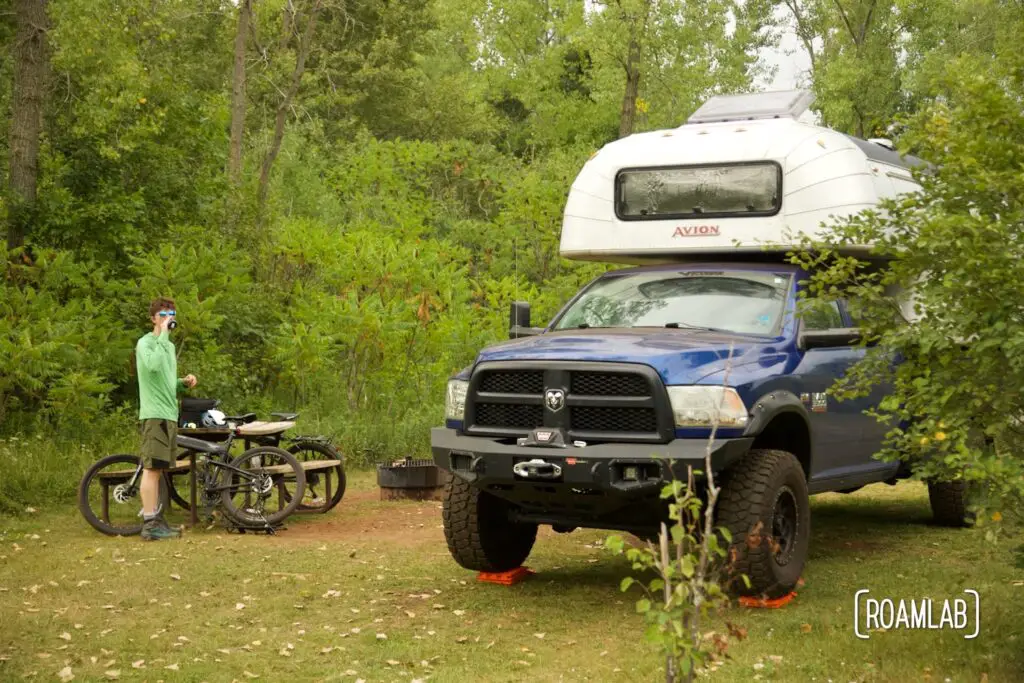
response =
{"points": [[743, 177], [581, 422]]}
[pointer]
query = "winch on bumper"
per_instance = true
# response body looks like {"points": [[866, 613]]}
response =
{"points": [[553, 480]]}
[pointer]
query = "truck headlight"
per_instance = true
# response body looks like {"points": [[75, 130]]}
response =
{"points": [[702, 406], [455, 399]]}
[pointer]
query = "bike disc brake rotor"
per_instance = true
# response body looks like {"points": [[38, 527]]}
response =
{"points": [[123, 493]]}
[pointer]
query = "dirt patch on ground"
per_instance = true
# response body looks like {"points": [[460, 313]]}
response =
{"points": [[362, 516]]}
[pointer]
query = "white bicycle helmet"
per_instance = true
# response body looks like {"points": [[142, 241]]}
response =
{"points": [[213, 418]]}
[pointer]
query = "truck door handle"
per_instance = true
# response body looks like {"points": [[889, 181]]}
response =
{"points": [[537, 469]]}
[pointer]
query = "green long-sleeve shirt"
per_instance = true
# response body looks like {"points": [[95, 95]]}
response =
{"points": [[157, 368]]}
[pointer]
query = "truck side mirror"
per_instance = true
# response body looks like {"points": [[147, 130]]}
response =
{"points": [[519, 321], [828, 339]]}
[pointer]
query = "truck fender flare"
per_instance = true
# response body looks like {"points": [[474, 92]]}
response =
{"points": [[772, 404]]}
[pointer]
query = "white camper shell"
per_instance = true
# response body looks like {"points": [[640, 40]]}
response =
{"points": [[742, 176]]}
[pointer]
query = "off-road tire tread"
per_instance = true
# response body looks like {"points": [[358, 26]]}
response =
{"points": [[948, 501], [479, 534], [744, 495]]}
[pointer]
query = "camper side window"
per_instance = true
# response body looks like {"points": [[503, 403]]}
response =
{"points": [[820, 314]]}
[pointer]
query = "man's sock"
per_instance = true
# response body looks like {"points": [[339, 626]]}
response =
{"points": [[148, 518]]}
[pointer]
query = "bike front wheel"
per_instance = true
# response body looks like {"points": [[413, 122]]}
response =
{"points": [[108, 495], [257, 485]]}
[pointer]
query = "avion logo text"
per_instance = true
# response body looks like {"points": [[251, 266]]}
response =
{"points": [[696, 231]]}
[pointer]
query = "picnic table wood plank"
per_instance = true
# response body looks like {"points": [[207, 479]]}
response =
{"points": [[179, 467], [308, 465]]}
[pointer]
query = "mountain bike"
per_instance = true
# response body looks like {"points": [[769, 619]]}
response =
{"points": [[108, 495]]}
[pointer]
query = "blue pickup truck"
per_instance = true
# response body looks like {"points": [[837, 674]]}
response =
{"points": [[581, 426], [581, 423]]}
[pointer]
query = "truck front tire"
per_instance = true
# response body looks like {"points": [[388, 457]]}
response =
{"points": [[480, 534], [949, 503], [764, 505]]}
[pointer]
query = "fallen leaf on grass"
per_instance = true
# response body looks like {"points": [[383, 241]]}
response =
{"points": [[239, 605], [175, 577], [224, 651], [112, 674], [462, 639], [458, 612], [249, 674], [392, 662], [139, 664], [65, 636], [411, 615], [382, 636], [805, 628], [172, 667], [539, 635], [65, 674]]}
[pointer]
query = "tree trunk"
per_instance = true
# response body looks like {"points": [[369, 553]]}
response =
{"points": [[627, 118], [286, 103], [30, 69], [238, 93]]}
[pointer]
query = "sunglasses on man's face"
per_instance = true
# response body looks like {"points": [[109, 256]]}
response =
{"points": [[164, 314]]}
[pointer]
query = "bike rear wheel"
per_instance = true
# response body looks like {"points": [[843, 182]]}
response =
{"points": [[260, 475], [324, 488]]}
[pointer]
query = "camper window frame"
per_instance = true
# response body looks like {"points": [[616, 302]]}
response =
{"points": [[698, 216]]}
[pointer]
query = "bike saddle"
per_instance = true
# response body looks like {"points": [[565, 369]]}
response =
{"points": [[200, 446], [287, 417]]}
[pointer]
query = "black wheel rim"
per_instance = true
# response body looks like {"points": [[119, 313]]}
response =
{"points": [[785, 525]]}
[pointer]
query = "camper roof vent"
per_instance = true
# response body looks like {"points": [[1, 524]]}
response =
{"points": [[765, 105], [883, 142]]}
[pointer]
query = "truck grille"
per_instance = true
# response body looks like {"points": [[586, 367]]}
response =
{"points": [[609, 384], [603, 401], [614, 419], [509, 415], [513, 382]]}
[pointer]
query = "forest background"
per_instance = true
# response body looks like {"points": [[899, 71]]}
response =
{"points": [[344, 196]]}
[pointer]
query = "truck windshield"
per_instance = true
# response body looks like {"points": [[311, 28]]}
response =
{"points": [[742, 302]]}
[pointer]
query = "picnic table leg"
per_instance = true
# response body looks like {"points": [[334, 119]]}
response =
{"points": [[280, 494], [105, 505], [327, 487], [193, 515]]}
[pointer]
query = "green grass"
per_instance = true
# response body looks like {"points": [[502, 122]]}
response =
{"points": [[316, 596]]}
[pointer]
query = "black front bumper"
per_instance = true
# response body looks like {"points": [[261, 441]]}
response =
{"points": [[611, 485]]}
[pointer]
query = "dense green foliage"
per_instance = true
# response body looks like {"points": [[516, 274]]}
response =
{"points": [[425, 153], [955, 404]]}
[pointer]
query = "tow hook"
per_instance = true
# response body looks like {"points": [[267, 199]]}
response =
{"points": [[537, 469]]}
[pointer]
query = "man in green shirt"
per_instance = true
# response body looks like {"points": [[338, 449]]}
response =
{"points": [[157, 368]]}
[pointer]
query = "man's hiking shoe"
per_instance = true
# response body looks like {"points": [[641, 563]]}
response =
{"points": [[163, 522], [152, 530]]}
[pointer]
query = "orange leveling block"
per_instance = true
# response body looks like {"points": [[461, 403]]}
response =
{"points": [[509, 578], [773, 603]]}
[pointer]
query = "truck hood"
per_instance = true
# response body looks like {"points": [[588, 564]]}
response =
{"points": [[680, 356]]}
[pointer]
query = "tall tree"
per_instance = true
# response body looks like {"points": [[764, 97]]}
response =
{"points": [[238, 92], [855, 49], [31, 60], [302, 50]]}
